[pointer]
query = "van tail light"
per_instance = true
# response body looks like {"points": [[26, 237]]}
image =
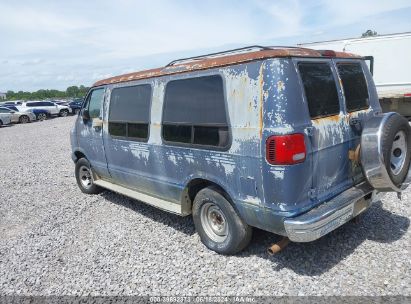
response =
{"points": [[285, 149]]}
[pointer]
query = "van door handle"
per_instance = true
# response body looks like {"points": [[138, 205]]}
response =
{"points": [[309, 131]]}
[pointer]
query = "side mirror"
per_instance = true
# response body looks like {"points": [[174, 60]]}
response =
{"points": [[85, 114]]}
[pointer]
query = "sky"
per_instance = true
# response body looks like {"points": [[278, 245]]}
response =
{"points": [[55, 44]]}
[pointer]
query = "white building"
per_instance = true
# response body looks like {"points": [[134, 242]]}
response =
{"points": [[3, 95]]}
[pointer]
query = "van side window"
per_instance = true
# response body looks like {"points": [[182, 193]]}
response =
{"points": [[129, 114], [354, 85], [320, 89], [195, 113]]}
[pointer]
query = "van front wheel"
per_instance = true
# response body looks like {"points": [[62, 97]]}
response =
{"points": [[218, 224], [84, 177]]}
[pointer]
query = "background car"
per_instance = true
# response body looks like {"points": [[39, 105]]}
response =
{"points": [[16, 102], [5, 119], [40, 114], [60, 102], [51, 107], [19, 116], [75, 106]]}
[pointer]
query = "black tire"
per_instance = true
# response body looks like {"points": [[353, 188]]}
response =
{"points": [[63, 113], [92, 188], [24, 119], [395, 124], [239, 233], [41, 116], [1, 123]]}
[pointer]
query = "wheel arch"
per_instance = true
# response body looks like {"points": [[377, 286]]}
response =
{"points": [[77, 154], [195, 185]]}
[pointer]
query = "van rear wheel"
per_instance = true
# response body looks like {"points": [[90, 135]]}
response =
{"points": [[84, 177], [219, 226]]}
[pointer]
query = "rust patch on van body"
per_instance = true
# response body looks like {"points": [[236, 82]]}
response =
{"points": [[322, 120], [212, 62]]}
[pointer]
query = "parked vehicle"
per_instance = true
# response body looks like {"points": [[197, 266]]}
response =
{"points": [[60, 102], [18, 116], [48, 106], [40, 114], [16, 102], [5, 119], [391, 72], [288, 140], [75, 106]]}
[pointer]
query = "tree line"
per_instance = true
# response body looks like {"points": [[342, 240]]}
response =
{"points": [[70, 92]]}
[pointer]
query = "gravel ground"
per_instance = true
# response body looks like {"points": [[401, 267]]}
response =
{"points": [[56, 240]]}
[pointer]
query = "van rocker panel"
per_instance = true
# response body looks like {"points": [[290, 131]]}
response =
{"points": [[145, 198]]}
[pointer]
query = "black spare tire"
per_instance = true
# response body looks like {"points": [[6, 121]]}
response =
{"points": [[386, 151], [396, 147]]}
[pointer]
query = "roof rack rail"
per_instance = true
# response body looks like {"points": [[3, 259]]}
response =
{"points": [[219, 53]]}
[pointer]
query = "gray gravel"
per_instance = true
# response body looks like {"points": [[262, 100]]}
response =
{"points": [[56, 240]]}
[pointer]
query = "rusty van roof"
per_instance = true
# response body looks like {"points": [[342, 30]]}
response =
{"points": [[225, 58]]}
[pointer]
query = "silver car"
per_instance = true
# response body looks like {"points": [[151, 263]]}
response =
{"points": [[5, 119], [51, 107], [19, 116]]}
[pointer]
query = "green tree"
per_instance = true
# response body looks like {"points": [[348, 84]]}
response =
{"points": [[72, 91], [369, 33]]}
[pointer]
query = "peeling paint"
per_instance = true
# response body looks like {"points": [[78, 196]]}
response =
{"points": [[278, 174]]}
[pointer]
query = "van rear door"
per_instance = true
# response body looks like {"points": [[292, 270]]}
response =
{"points": [[337, 96], [354, 78], [330, 131]]}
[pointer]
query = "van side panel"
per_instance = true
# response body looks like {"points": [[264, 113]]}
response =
{"points": [[164, 170]]}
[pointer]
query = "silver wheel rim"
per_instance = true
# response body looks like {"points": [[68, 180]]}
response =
{"points": [[85, 176], [64, 113], [42, 116], [24, 119], [398, 152], [214, 222]]}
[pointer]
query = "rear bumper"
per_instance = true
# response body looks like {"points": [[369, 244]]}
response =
{"points": [[330, 215]]}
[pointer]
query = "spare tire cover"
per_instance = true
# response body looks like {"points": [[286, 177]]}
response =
{"points": [[386, 152]]}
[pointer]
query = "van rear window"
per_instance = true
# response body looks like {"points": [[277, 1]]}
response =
{"points": [[320, 89], [354, 85]]}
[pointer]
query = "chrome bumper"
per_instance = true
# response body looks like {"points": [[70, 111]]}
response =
{"points": [[330, 215]]}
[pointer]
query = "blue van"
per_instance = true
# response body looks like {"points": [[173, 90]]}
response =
{"points": [[289, 140]]}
